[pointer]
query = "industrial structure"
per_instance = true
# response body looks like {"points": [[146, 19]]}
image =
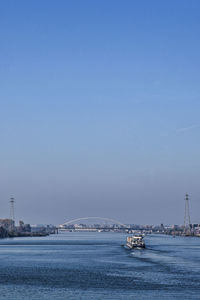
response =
{"points": [[8, 228], [12, 209], [187, 221]]}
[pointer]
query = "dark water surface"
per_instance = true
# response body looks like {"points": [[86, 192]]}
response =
{"points": [[95, 266]]}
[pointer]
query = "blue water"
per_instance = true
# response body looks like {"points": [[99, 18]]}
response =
{"points": [[95, 266]]}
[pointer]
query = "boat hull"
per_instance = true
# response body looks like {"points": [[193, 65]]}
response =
{"points": [[130, 247]]}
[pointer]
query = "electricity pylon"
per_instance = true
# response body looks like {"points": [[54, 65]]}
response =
{"points": [[187, 221], [12, 210]]}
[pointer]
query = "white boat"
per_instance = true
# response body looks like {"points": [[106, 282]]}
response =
{"points": [[135, 241]]}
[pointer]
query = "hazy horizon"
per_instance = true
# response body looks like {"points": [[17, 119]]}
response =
{"points": [[99, 110]]}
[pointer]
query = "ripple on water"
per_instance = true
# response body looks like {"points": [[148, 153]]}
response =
{"points": [[95, 266]]}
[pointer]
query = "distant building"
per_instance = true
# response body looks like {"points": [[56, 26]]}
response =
{"points": [[23, 227], [7, 224], [38, 228], [41, 228]]}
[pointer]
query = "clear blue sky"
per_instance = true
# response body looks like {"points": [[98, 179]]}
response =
{"points": [[99, 109]]}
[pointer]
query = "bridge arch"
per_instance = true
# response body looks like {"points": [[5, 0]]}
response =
{"points": [[96, 218]]}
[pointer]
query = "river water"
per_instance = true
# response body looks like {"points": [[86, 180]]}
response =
{"points": [[96, 266]]}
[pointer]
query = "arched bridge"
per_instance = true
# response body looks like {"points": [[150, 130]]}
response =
{"points": [[95, 218], [116, 224]]}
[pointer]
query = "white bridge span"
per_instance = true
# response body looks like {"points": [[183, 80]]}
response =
{"points": [[95, 218]]}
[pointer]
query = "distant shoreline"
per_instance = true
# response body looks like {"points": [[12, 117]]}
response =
{"points": [[25, 234]]}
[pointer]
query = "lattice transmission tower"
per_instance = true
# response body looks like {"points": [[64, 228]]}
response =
{"points": [[187, 221], [12, 209]]}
